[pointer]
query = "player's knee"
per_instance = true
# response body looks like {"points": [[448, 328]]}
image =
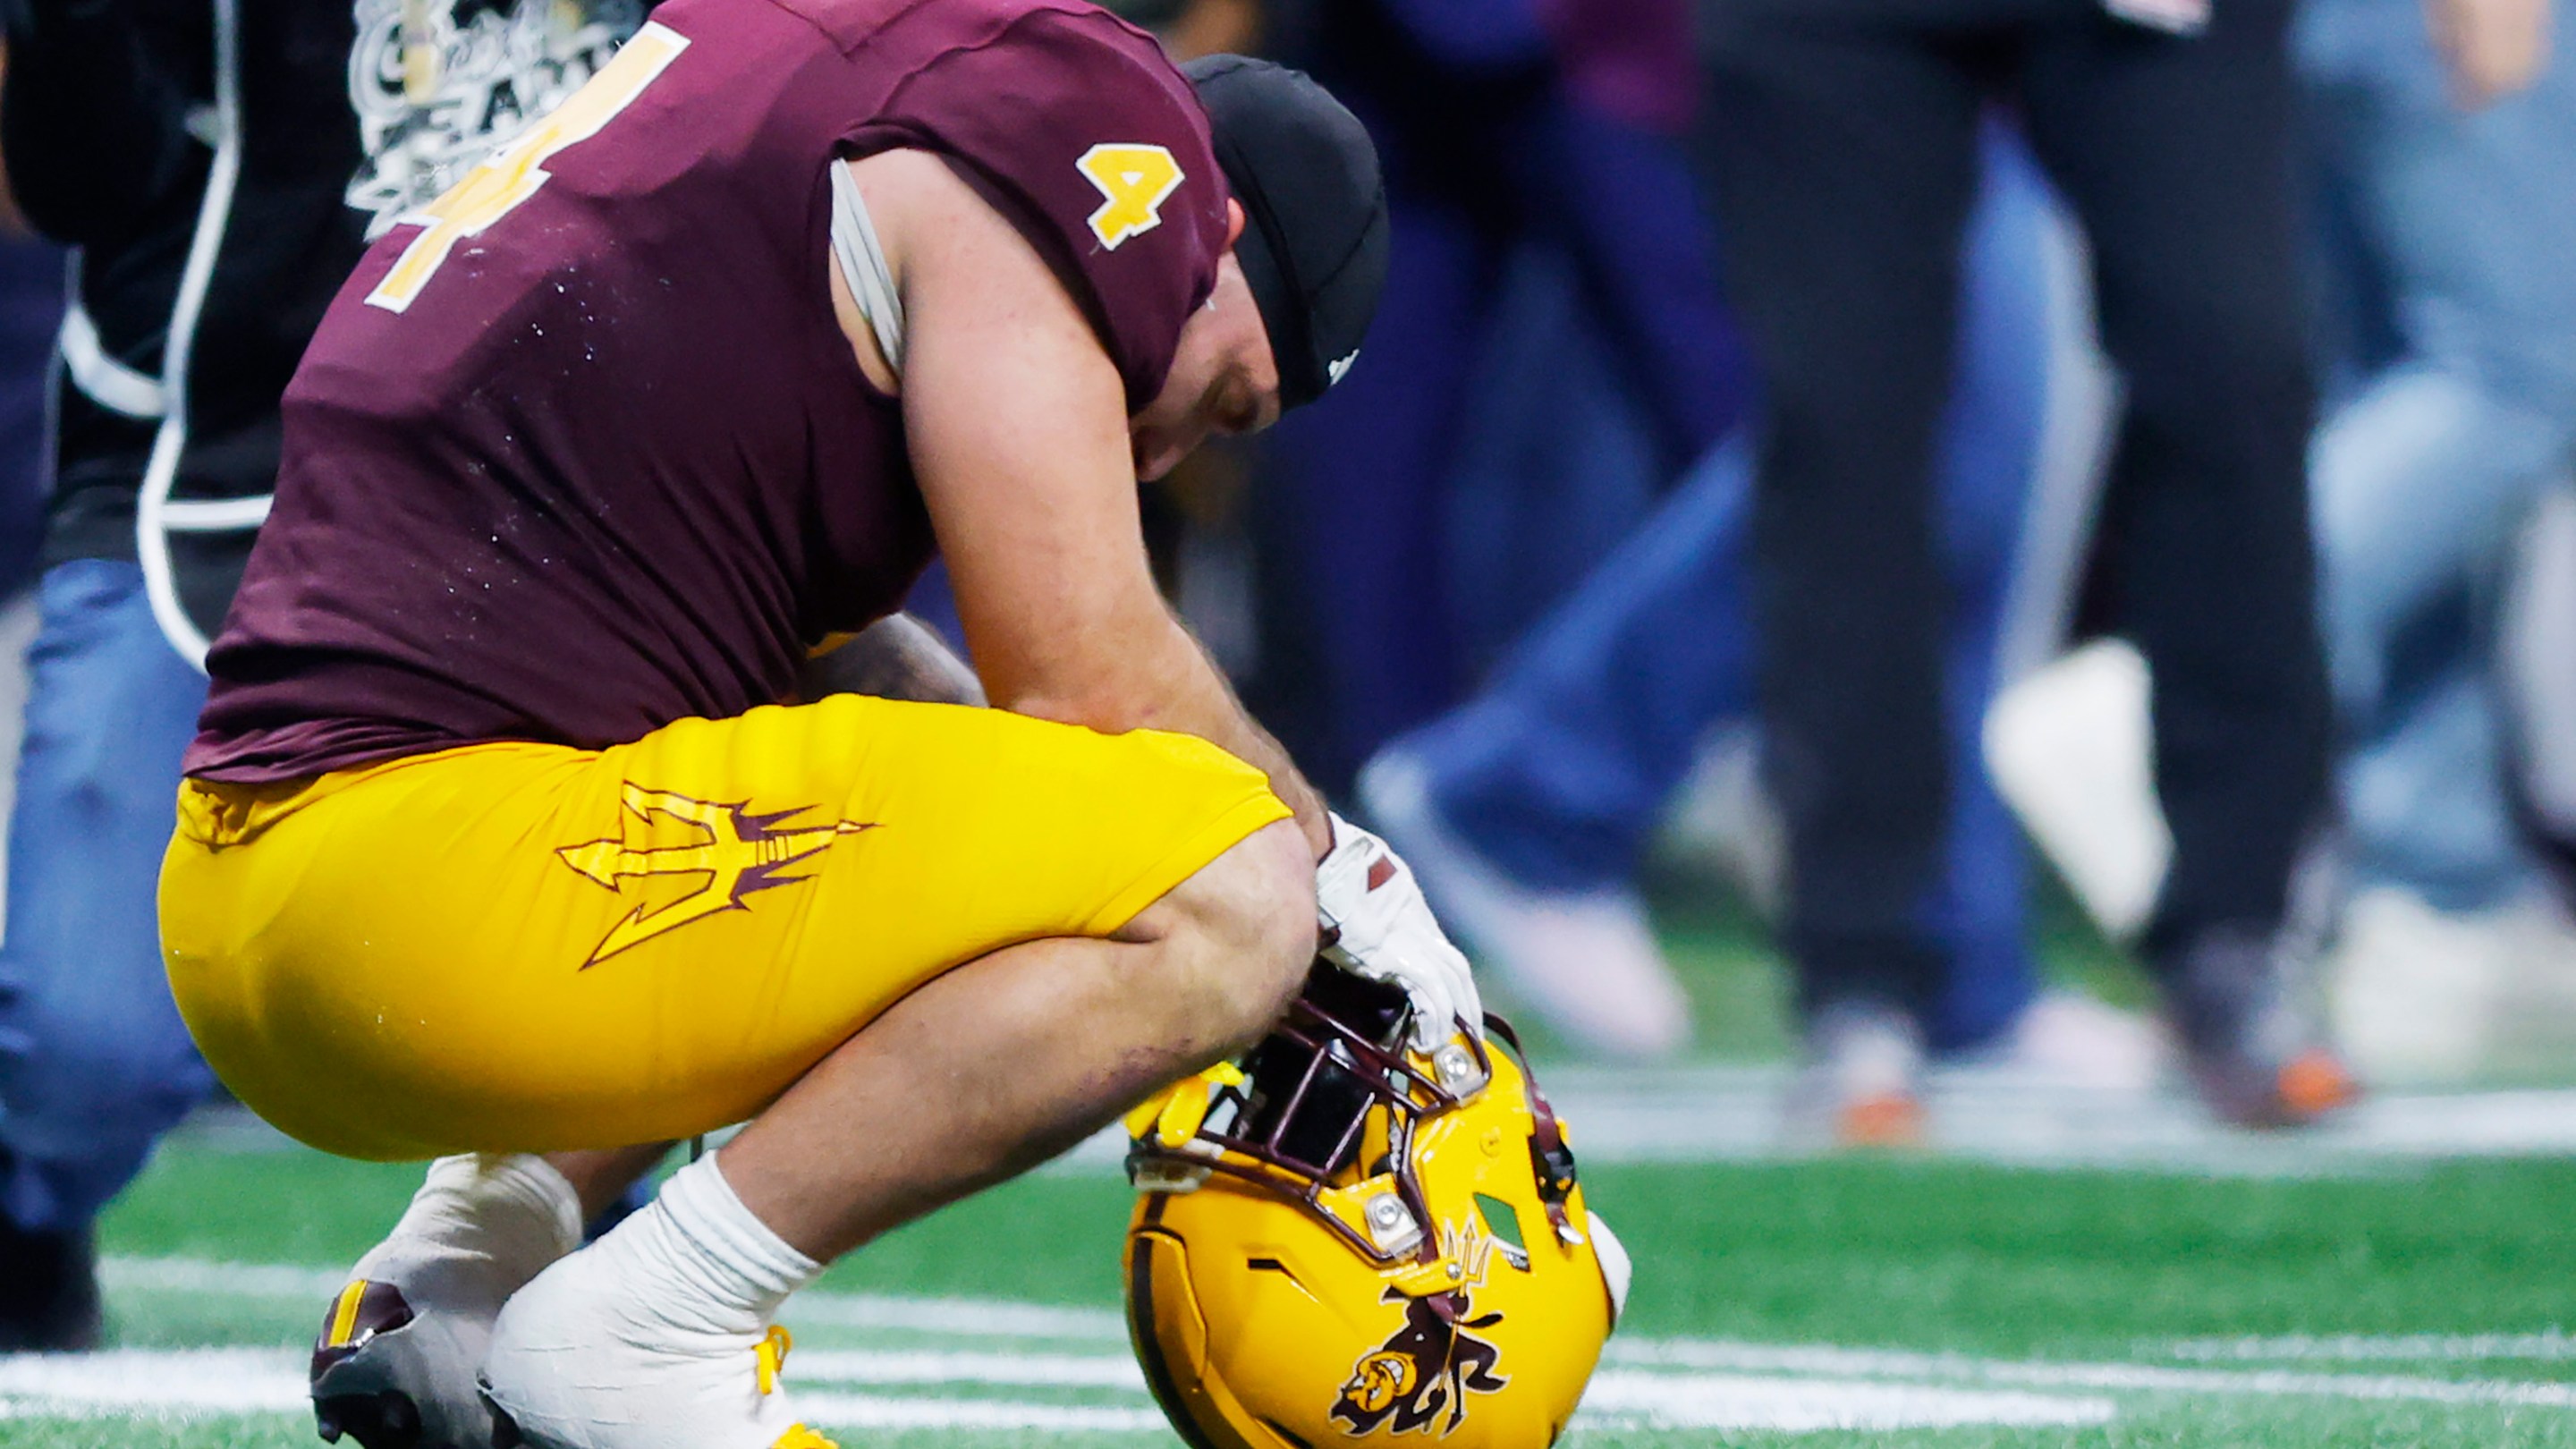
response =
{"points": [[1242, 937]]}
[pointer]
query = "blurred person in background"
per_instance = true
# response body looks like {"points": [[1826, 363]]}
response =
{"points": [[218, 166], [1527, 810], [1189, 29], [31, 312], [2540, 652], [2445, 135], [31, 308], [1501, 123], [1843, 137]]}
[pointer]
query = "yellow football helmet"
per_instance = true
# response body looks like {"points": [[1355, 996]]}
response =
{"points": [[1342, 1241]]}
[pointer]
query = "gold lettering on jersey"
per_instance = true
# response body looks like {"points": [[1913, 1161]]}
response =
{"points": [[492, 190], [1134, 182], [736, 851]]}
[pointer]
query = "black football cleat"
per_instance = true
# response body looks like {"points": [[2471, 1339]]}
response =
{"points": [[2252, 1044], [49, 1299]]}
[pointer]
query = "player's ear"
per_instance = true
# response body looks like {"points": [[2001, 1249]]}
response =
{"points": [[1233, 222]]}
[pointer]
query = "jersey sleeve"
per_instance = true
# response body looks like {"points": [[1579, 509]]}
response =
{"points": [[1099, 151]]}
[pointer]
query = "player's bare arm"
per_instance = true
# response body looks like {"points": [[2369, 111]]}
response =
{"points": [[2492, 48], [1035, 506], [1020, 437]]}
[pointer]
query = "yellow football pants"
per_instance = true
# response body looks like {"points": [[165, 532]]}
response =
{"points": [[525, 947]]}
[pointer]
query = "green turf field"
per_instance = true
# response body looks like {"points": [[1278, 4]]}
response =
{"points": [[1823, 1303], [2364, 1285]]}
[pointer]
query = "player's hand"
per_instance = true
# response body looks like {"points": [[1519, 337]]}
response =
{"points": [[1376, 925], [2492, 48]]}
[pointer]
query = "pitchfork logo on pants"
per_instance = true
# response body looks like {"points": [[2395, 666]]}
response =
{"points": [[739, 853]]}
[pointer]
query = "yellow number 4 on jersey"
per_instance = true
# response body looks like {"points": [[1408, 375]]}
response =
{"points": [[516, 172], [1134, 182]]}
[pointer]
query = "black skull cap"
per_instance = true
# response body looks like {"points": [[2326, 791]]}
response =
{"points": [[1314, 243]]}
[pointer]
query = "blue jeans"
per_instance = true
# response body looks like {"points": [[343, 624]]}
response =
{"points": [[1561, 767], [2451, 239], [94, 1063], [1369, 495]]}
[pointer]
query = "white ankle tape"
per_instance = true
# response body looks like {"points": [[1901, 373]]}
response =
{"points": [[702, 1206]]}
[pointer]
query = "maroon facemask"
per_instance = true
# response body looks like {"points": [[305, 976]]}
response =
{"points": [[1300, 1118]]}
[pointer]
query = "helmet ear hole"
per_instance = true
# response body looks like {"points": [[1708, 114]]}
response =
{"points": [[1273, 1265], [1503, 1221]]}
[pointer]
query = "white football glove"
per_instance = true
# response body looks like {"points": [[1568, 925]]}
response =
{"points": [[1376, 925]]}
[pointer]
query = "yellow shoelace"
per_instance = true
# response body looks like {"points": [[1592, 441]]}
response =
{"points": [[772, 1352]]}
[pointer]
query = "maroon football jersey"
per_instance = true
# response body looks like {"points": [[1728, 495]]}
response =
{"points": [[580, 448]]}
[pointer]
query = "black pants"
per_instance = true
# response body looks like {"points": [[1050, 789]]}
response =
{"points": [[1843, 152]]}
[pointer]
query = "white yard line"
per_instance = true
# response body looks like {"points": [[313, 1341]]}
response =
{"points": [[1957, 1368], [1731, 1114], [867, 1411], [1737, 1401], [197, 1382], [1049, 1370], [201, 1380], [1645, 1400], [236, 1381], [1646, 1383], [2548, 1346], [962, 1317], [201, 1275]]}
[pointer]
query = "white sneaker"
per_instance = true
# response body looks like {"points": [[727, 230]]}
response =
{"points": [[2535, 1033], [1588, 962], [633, 1343], [2070, 747], [2416, 993], [395, 1365]]}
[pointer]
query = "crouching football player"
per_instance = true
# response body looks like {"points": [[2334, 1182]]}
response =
{"points": [[504, 841]]}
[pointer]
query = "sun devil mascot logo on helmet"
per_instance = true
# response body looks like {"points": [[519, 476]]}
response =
{"points": [[1431, 1363]]}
